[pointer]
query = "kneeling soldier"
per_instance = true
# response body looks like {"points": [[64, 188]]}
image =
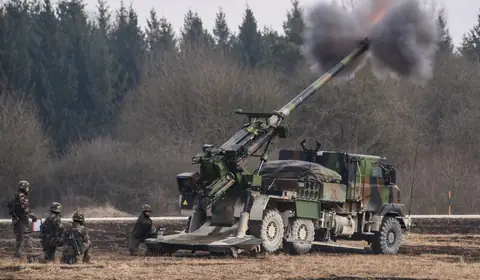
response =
{"points": [[51, 232], [76, 241], [144, 228]]}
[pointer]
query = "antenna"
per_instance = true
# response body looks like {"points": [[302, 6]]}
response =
{"points": [[413, 177], [303, 145]]}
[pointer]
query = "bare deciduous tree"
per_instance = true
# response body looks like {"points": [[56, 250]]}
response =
{"points": [[24, 149]]}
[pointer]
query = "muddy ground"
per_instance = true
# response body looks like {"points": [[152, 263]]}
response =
{"points": [[447, 249]]}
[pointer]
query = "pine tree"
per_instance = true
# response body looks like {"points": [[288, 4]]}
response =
{"points": [[445, 45], [294, 25], [129, 49], [46, 75], [192, 31], [160, 35], [76, 81], [167, 35], [250, 39], [15, 68], [278, 52], [103, 95], [153, 31], [103, 17], [221, 31], [470, 46]]}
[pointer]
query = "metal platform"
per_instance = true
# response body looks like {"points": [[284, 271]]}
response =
{"points": [[209, 238]]}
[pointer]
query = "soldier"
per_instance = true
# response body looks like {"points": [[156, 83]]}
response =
{"points": [[19, 209], [51, 232], [144, 228], [76, 241]]}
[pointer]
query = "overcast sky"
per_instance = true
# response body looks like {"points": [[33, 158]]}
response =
{"points": [[461, 14]]}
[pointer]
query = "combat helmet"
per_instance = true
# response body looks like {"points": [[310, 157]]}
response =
{"points": [[78, 216], [56, 207], [24, 186], [146, 208]]}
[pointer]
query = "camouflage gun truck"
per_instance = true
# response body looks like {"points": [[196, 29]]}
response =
{"points": [[291, 203], [314, 197]]}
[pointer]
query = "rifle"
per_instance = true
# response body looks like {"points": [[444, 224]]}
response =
{"points": [[11, 210], [75, 243]]}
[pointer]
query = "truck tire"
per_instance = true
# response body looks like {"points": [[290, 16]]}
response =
{"points": [[303, 233], [271, 231], [389, 238]]}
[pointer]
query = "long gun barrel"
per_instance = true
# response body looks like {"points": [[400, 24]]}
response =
{"points": [[323, 80]]}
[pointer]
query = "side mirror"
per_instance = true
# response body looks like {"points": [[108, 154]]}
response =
{"points": [[389, 174], [392, 178]]}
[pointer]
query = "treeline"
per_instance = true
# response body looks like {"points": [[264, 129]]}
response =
{"points": [[100, 110]]}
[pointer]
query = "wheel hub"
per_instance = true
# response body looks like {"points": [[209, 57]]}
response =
{"points": [[271, 230], [390, 238], [302, 232]]}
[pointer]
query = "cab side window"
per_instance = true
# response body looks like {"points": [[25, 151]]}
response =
{"points": [[377, 171]]}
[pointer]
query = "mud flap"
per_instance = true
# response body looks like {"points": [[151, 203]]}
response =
{"points": [[259, 204]]}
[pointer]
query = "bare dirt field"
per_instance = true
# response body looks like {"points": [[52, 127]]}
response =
{"points": [[425, 255]]}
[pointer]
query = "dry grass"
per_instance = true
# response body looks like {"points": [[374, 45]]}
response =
{"points": [[113, 266], [423, 257]]}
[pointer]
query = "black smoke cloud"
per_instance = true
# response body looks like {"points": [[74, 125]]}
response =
{"points": [[403, 42]]}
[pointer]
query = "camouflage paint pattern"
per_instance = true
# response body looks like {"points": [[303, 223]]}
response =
{"points": [[362, 174], [333, 192]]}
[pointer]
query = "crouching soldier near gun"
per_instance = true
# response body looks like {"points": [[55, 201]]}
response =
{"points": [[19, 209], [144, 228], [76, 241], [51, 232]]}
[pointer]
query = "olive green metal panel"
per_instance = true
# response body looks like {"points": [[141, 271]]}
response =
{"points": [[333, 192], [257, 180], [307, 209]]}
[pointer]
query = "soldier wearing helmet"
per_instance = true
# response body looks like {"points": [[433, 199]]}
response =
{"points": [[144, 228], [51, 232], [76, 241], [19, 209]]}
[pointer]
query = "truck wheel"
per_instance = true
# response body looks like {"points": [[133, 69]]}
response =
{"points": [[389, 238], [302, 234], [271, 231]]}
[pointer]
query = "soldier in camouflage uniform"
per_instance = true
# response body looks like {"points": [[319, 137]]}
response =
{"points": [[51, 232], [19, 209], [144, 228], [76, 241]]}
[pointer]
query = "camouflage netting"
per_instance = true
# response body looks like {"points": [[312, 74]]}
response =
{"points": [[297, 169]]}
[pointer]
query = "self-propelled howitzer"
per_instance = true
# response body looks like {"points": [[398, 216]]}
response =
{"points": [[220, 196]]}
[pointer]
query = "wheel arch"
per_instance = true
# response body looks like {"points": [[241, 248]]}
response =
{"points": [[264, 202], [393, 210]]}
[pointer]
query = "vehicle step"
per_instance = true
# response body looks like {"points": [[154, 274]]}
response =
{"points": [[336, 245]]}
